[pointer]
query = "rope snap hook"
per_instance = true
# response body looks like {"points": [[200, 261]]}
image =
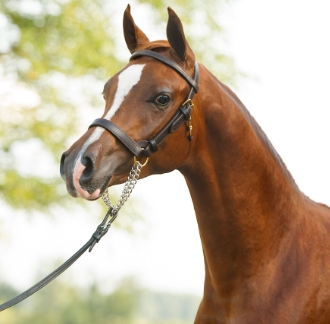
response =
{"points": [[139, 163]]}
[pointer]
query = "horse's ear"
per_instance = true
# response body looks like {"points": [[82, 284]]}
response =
{"points": [[175, 35], [134, 36]]}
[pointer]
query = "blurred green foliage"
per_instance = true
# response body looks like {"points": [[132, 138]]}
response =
{"points": [[53, 55], [64, 304], [49, 46]]}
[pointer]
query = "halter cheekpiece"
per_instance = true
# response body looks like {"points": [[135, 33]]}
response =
{"points": [[147, 147]]}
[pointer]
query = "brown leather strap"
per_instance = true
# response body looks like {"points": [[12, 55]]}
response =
{"points": [[120, 134], [147, 147], [168, 62], [151, 146]]}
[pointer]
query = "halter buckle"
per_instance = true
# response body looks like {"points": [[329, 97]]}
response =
{"points": [[190, 101]]}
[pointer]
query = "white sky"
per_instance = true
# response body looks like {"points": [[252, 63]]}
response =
{"points": [[284, 46]]}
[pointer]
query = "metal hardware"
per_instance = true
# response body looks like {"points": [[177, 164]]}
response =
{"points": [[189, 121], [141, 165], [128, 188], [190, 101], [190, 128]]}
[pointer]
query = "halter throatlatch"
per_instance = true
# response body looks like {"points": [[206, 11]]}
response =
{"points": [[183, 114]]}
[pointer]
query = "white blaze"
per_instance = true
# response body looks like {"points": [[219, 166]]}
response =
{"points": [[126, 80]]}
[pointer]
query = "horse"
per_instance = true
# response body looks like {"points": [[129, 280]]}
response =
{"points": [[266, 245]]}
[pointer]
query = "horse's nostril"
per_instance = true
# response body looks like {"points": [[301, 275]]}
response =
{"points": [[62, 166], [89, 169]]}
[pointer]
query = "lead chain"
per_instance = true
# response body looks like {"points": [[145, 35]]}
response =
{"points": [[128, 188]]}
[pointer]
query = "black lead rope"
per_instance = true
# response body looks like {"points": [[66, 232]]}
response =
{"points": [[101, 230]]}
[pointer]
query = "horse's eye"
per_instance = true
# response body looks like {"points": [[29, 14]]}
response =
{"points": [[162, 100]]}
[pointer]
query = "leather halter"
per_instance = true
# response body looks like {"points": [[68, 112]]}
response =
{"points": [[147, 147]]}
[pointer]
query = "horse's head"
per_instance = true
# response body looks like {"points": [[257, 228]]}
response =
{"points": [[140, 101]]}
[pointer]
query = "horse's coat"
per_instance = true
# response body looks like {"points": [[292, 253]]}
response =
{"points": [[266, 245]]}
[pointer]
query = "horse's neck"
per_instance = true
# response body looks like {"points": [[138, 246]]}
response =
{"points": [[243, 195]]}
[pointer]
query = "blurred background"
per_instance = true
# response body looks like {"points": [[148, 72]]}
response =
{"points": [[55, 56]]}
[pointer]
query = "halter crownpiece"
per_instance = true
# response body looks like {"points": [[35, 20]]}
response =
{"points": [[170, 63], [147, 147]]}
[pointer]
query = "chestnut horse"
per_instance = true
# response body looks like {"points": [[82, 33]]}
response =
{"points": [[266, 245]]}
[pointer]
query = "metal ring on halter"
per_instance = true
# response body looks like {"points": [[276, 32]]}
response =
{"points": [[141, 165]]}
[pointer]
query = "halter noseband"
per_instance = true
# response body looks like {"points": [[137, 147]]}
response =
{"points": [[147, 147]]}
